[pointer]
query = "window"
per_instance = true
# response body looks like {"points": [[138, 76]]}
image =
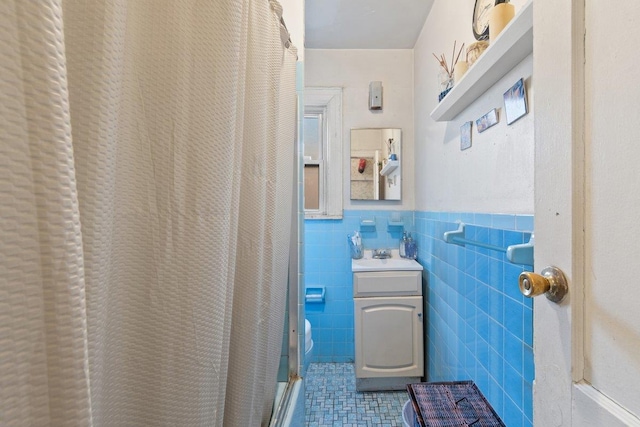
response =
{"points": [[322, 153], [314, 144]]}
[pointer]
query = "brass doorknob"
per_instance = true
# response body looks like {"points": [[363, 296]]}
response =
{"points": [[550, 282]]}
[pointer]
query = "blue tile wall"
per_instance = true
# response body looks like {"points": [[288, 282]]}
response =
{"points": [[328, 263], [479, 326]]}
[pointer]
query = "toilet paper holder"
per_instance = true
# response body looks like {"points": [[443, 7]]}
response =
{"points": [[314, 294]]}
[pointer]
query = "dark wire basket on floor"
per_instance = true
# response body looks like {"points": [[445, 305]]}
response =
{"points": [[452, 404]]}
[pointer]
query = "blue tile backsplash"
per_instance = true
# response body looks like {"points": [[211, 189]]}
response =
{"points": [[479, 326]]}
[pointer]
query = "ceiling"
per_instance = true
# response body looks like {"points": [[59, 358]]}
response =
{"points": [[364, 24]]}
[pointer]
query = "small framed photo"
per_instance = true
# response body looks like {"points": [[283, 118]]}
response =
{"points": [[515, 102], [465, 136], [486, 121]]}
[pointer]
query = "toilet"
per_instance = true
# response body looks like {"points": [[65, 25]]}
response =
{"points": [[308, 345]]}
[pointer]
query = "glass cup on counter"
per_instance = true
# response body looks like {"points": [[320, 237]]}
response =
{"points": [[355, 247]]}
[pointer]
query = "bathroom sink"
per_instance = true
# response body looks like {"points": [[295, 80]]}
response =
{"points": [[395, 263]]}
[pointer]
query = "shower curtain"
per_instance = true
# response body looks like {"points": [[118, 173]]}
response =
{"points": [[146, 155]]}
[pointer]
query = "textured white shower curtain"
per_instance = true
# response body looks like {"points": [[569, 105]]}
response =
{"points": [[146, 155]]}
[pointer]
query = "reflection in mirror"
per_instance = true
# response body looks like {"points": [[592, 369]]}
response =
{"points": [[376, 159]]}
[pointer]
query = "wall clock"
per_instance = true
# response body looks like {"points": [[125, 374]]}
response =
{"points": [[480, 24]]}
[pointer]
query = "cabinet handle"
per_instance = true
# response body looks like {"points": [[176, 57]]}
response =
{"points": [[420, 316]]}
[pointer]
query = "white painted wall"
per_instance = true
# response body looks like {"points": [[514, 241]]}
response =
{"points": [[496, 174], [293, 15], [353, 69]]}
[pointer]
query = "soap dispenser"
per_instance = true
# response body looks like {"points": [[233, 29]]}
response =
{"points": [[411, 249], [403, 245]]}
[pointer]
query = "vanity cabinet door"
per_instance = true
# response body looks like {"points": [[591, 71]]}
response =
{"points": [[388, 337]]}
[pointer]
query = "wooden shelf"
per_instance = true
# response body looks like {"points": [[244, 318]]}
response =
{"points": [[513, 45]]}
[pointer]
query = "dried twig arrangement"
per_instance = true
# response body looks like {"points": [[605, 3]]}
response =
{"points": [[454, 60]]}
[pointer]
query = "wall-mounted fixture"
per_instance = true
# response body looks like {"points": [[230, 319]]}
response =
{"points": [[375, 96], [381, 177], [389, 167], [395, 223], [368, 224], [314, 294], [517, 254]]}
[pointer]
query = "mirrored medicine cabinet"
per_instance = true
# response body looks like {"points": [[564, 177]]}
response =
{"points": [[376, 159]]}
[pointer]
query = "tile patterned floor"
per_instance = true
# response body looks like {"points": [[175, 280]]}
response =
{"points": [[332, 400]]}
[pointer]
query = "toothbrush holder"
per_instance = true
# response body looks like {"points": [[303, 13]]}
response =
{"points": [[357, 251]]}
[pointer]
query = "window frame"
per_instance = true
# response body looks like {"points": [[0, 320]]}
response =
{"points": [[327, 101]]}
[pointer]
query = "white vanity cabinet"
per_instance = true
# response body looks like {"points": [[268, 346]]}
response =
{"points": [[389, 322]]}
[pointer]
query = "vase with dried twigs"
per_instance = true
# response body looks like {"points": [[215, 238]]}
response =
{"points": [[445, 76]]}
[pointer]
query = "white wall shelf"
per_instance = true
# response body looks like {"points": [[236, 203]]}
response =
{"points": [[389, 167], [513, 45]]}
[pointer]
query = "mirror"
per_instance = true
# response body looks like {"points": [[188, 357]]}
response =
{"points": [[376, 158]]}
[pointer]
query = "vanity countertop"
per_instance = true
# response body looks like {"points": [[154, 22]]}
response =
{"points": [[395, 263]]}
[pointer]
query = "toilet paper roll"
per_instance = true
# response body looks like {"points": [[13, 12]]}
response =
{"points": [[499, 17], [459, 71]]}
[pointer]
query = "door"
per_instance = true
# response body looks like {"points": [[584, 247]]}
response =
{"points": [[388, 335], [587, 199]]}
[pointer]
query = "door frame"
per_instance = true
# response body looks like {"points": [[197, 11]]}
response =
{"points": [[560, 393]]}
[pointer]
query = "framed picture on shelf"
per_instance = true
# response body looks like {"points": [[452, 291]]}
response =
{"points": [[465, 136], [515, 102]]}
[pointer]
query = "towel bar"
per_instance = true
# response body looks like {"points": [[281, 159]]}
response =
{"points": [[516, 254]]}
